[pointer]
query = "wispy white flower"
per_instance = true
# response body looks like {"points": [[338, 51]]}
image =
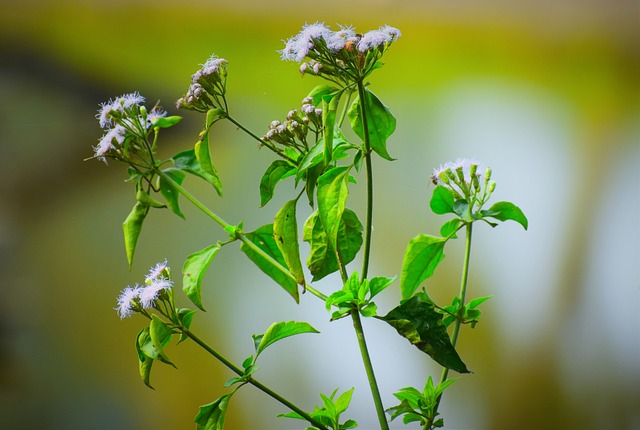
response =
{"points": [[152, 291], [156, 271], [154, 115], [117, 134], [338, 40], [128, 100], [125, 299], [298, 46], [210, 67], [103, 114], [443, 173]]}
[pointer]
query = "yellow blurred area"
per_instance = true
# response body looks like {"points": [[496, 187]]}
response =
{"points": [[546, 93]]}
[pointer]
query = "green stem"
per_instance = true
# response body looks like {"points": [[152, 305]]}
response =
{"points": [[251, 380], [355, 315], [458, 323], [259, 139], [366, 359]]}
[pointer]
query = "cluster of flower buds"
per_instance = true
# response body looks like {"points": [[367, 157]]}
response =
{"points": [[157, 287], [340, 54], [208, 87], [463, 179], [126, 122], [293, 131]]}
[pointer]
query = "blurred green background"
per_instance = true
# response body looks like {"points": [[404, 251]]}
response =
{"points": [[544, 92]]}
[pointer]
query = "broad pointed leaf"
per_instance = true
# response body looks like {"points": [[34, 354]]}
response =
{"points": [[422, 256], [281, 330], [285, 233], [419, 322], [333, 192], [211, 416], [274, 173], [504, 211], [193, 271], [380, 122], [131, 228]]}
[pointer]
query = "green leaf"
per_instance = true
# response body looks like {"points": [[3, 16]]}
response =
{"points": [[380, 122], [333, 191], [343, 401], [143, 197], [418, 321], [378, 284], [188, 162], [330, 104], [166, 121], [193, 271], [131, 228], [442, 200], [322, 259], [321, 91], [422, 256], [185, 317], [144, 361], [211, 416], [280, 330], [160, 335], [203, 154], [462, 208], [285, 233], [504, 211], [450, 227], [169, 193], [263, 239], [274, 173]]}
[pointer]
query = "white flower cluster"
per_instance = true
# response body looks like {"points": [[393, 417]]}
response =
{"points": [[302, 45], [462, 177], [133, 299], [296, 125], [121, 117]]}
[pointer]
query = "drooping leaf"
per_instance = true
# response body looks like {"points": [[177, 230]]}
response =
{"points": [[450, 227], [188, 162], [160, 335], [330, 104], [263, 239], [333, 192], [143, 197], [202, 151], [185, 317], [322, 259], [166, 121], [285, 233], [131, 228], [193, 271], [274, 173], [504, 211], [211, 416], [422, 256], [144, 361], [280, 330], [169, 193], [380, 122], [442, 200], [419, 322]]}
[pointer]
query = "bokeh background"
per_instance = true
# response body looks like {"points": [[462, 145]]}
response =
{"points": [[545, 92]]}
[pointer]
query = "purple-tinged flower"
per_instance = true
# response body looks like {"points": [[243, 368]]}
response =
{"points": [[210, 67], [372, 39], [129, 100], [338, 40], [103, 114], [125, 299], [157, 271], [298, 46], [117, 133], [392, 32], [155, 114], [152, 291]]}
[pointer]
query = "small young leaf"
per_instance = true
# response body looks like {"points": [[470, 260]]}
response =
{"points": [[281, 330], [274, 173], [422, 256], [169, 193], [131, 228], [442, 201], [380, 122], [343, 401], [450, 227], [211, 416], [419, 322], [378, 284], [193, 271], [263, 239], [504, 211], [285, 233]]}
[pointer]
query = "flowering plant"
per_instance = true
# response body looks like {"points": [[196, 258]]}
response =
{"points": [[310, 147]]}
